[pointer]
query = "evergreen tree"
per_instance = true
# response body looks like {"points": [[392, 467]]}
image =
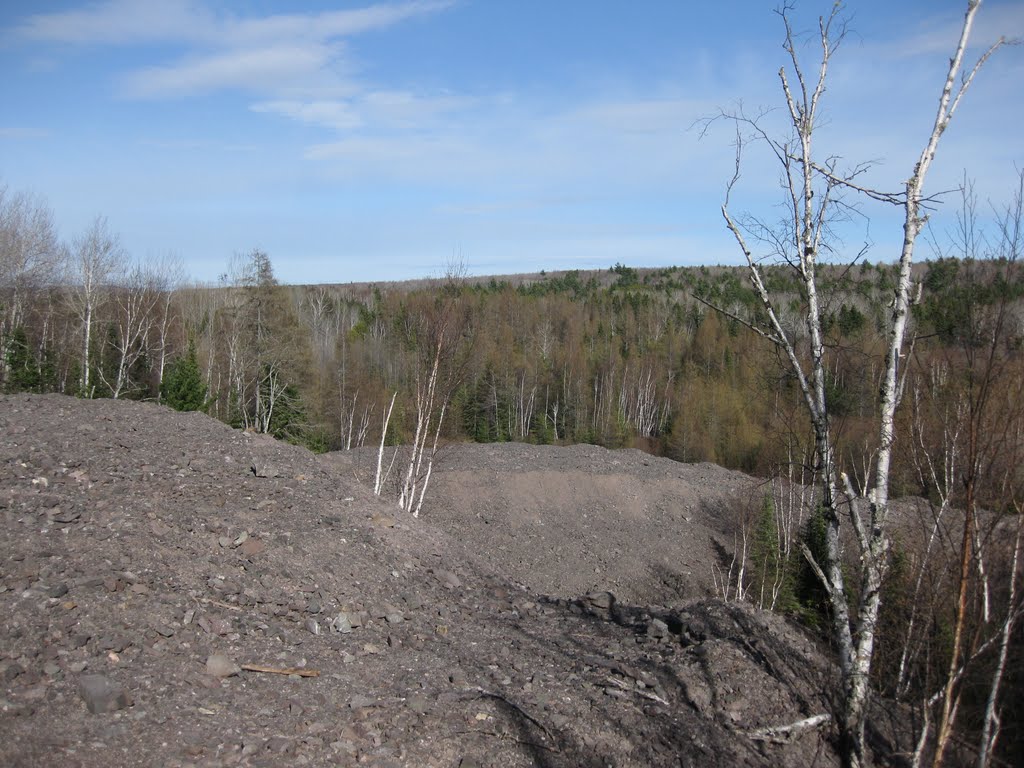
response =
{"points": [[773, 571], [183, 388], [810, 592], [23, 373]]}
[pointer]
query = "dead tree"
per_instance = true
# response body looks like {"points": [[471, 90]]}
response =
{"points": [[815, 187]]}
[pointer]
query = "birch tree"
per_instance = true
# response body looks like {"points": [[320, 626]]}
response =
{"points": [[816, 191], [96, 257], [30, 257], [135, 300], [438, 336]]}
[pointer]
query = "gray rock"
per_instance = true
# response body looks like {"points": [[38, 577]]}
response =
{"points": [[220, 665], [600, 600], [449, 579], [362, 702], [341, 624], [58, 591], [418, 703], [657, 628], [101, 694], [11, 671]]}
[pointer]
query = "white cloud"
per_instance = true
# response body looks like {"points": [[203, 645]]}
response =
{"points": [[135, 22], [939, 34], [296, 56], [132, 22], [270, 68], [328, 25], [338, 115]]}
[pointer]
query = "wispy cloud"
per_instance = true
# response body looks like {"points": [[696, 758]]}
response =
{"points": [[23, 133], [301, 54], [274, 68], [391, 109], [122, 22], [136, 22], [937, 33]]}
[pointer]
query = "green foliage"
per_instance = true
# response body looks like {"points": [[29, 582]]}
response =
{"points": [[850, 320], [811, 596], [771, 568], [183, 388], [23, 370], [627, 276]]}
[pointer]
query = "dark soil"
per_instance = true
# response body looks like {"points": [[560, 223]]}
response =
{"points": [[147, 555]]}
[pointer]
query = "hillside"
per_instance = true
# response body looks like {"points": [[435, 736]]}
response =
{"points": [[565, 520], [148, 554]]}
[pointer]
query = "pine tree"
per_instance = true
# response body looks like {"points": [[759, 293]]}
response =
{"points": [[183, 388], [23, 373]]}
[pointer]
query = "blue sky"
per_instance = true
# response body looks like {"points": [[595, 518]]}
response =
{"points": [[377, 141]]}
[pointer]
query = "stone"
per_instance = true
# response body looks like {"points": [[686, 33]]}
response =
{"points": [[449, 579], [657, 628], [11, 671], [418, 704], [220, 665], [341, 624], [58, 591], [102, 695], [600, 600]]}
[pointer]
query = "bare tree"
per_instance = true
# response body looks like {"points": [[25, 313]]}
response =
{"points": [[815, 195], [167, 276], [135, 300], [438, 337], [96, 257], [30, 256]]}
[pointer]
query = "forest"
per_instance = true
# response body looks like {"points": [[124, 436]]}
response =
{"points": [[623, 357]]}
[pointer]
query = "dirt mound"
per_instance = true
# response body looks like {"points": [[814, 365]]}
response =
{"points": [[565, 520], [174, 592]]}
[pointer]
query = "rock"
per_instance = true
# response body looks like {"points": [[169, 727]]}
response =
{"points": [[312, 626], [58, 591], [115, 643], [601, 600], [418, 704], [657, 628], [220, 665], [280, 745], [362, 702], [251, 547], [261, 468], [341, 624], [11, 671], [448, 579], [102, 695], [163, 629]]}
